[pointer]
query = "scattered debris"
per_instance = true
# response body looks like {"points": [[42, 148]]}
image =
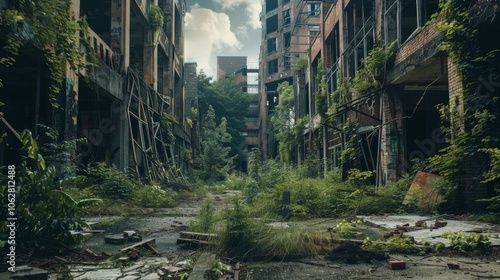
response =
{"points": [[195, 239], [396, 264], [351, 253], [453, 265], [424, 192], [127, 236]]}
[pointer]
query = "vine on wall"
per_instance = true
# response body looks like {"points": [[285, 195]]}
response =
{"points": [[53, 30]]}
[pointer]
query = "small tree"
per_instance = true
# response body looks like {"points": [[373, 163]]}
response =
{"points": [[215, 139]]}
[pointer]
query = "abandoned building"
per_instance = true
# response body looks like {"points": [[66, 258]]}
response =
{"points": [[244, 74], [287, 29], [397, 121], [126, 105]]}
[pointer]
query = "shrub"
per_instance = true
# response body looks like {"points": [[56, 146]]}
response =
{"points": [[109, 182], [152, 196], [48, 213], [474, 243]]}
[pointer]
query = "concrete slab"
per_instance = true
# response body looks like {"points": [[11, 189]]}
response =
{"points": [[203, 264], [101, 274], [433, 235]]}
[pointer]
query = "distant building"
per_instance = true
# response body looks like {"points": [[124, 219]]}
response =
{"points": [[246, 76]]}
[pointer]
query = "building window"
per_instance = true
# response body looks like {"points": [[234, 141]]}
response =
{"points": [[272, 45], [286, 62], [286, 17], [272, 24], [313, 30], [272, 66], [271, 5], [313, 9], [286, 39]]}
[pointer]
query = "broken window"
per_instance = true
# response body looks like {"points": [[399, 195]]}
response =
{"points": [[272, 24], [360, 34], [286, 39], [403, 17], [272, 66], [271, 5], [286, 17], [272, 45], [313, 9]]}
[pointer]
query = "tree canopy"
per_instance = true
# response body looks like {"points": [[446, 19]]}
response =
{"points": [[229, 102]]}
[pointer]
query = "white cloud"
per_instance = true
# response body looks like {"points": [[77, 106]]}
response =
{"points": [[242, 31], [207, 32], [252, 9]]}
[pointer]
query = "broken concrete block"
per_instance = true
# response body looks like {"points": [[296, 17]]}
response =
{"points": [[396, 264], [129, 233], [151, 276], [453, 265], [124, 260]]}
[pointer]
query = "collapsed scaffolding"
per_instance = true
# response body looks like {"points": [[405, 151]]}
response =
{"points": [[152, 148]]}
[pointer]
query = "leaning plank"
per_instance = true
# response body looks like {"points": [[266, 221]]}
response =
{"points": [[138, 244]]}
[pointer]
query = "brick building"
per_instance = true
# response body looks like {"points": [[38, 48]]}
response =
{"points": [[399, 121], [122, 104]]}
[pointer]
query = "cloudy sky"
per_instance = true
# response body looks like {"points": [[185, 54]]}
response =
{"points": [[221, 28]]}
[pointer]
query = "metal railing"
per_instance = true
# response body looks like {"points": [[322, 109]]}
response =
{"points": [[104, 52]]}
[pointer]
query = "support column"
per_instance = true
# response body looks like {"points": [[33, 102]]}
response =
{"points": [[120, 30]]}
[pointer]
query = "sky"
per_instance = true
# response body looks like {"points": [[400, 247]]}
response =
{"points": [[221, 28]]}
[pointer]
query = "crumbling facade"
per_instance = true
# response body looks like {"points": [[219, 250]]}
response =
{"points": [[398, 120], [125, 105], [288, 27]]}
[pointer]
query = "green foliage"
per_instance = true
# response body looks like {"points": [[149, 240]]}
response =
{"points": [[216, 271], [205, 222], [395, 244], [152, 196], [282, 122], [345, 228], [46, 212], [302, 63], [155, 17], [471, 244], [109, 182], [60, 154], [215, 157], [229, 101], [237, 236], [53, 28]]}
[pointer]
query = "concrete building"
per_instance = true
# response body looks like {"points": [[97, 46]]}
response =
{"points": [[246, 75], [288, 27], [123, 106], [398, 120]]}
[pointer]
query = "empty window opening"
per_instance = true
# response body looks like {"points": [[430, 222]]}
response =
{"points": [[272, 66], [286, 17], [272, 45], [272, 24], [271, 5]]}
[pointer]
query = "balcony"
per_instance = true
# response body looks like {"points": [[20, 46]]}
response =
{"points": [[103, 52]]}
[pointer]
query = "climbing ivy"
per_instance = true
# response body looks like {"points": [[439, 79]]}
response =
{"points": [[156, 18], [52, 28], [471, 119]]}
